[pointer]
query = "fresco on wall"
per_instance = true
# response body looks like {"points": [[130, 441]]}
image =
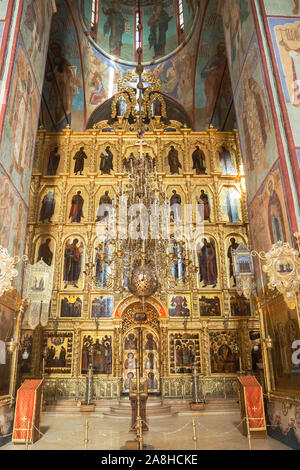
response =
{"points": [[35, 24], [20, 124], [280, 8], [255, 123], [13, 217], [286, 41], [267, 213], [212, 86], [238, 30], [63, 77]]}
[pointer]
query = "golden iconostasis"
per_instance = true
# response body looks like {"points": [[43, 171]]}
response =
{"points": [[199, 320]]}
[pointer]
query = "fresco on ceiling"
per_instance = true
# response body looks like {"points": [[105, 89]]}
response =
{"points": [[267, 214], [116, 27], [281, 8], [20, 123], [63, 77], [212, 87], [255, 122], [238, 30], [35, 25], [286, 41]]}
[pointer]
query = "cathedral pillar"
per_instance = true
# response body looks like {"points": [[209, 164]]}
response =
{"points": [[117, 350], [164, 350], [205, 350], [77, 351], [245, 346]]}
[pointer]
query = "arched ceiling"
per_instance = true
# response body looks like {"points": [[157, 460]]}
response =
{"points": [[164, 33]]}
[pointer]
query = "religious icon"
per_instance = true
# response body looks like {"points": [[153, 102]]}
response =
{"points": [[97, 352], [240, 306], [204, 205], [102, 214], [76, 212], [179, 306], [71, 306], [48, 206], [209, 306], [173, 161], [199, 161], [121, 106], [73, 262], [106, 161], [102, 306], [59, 352], [150, 362], [79, 158], [130, 361], [158, 24], [225, 162], [150, 343], [230, 206], [131, 342], [224, 351], [45, 253], [53, 162], [175, 206], [184, 351], [156, 107], [233, 246], [208, 264], [115, 25]]}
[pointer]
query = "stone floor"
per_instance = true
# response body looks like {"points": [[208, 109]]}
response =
{"points": [[216, 430]]}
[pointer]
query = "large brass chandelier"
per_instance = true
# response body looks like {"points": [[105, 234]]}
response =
{"points": [[141, 248]]}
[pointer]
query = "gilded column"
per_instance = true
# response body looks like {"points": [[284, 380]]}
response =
{"points": [[76, 351]]}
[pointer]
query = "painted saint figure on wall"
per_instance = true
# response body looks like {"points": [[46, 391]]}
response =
{"points": [[106, 161], [48, 206], [115, 26], [199, 161], [275, 216], [45, 253], [72, 264], [233, 246], [204, 205], [173, 161], [159, 24], [64, 83], [225, 161], [79, 158], [53, 162], [216, 75], [208, 264], [230, 206], [76, 211]]}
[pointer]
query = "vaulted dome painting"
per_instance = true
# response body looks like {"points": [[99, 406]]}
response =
{"points": [[112, 26]]}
